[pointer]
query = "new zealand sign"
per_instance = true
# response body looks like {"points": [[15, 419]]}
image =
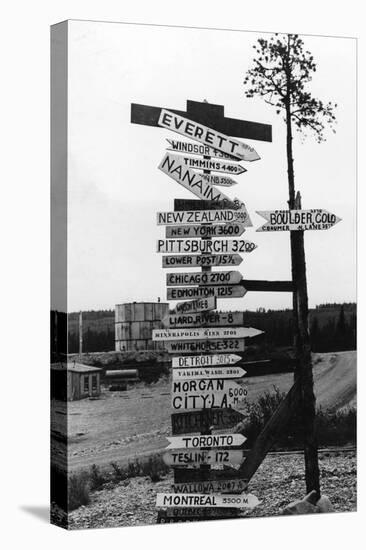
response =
{"points": [[183, 217], [196, 260], [198, 246], [297, 220], [207, 136], [202, 231]]}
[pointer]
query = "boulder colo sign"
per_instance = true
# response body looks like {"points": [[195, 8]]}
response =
{"points": [[207, 136], [297, 220]]}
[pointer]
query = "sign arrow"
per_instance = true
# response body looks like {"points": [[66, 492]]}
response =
{"points": [[179, 500], [207, 136], [205, 360], [205, 394], [203, 304], [201, 420], [210, 319], [203, 231], [205, 346], [222, 215], [297, 220], [221, 181], [198, 260], [236, 291], [197, 149], [198, 246], [214, 486], [208, 372], [204, 278], [213, 441], [214, 165], [173, 166], [195, 458], [204, 333]]}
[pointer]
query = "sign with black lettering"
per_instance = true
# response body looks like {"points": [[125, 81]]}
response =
{"points": [[198, 246], [207, 136], [197, 260], [177, 500], [222, 215], [214, 486], [208, 372], [206, 394], [297, 220], [204, 278], [203, 333], [197, 441], [205, 360], [197, 149], [205, 346], [214, 165], [204, 231], [199, 457], [236, 291], [209, 319], [203, 304]]}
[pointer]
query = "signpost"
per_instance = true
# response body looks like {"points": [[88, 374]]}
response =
{"points": [[194, 246], [209, 319], [208, 372], [204, 333], [191, 231], [196, 260], [203, 384], [205, 360], [297, 220], [235, 291]]}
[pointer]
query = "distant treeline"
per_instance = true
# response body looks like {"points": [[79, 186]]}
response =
{"points": [[332, 328]]}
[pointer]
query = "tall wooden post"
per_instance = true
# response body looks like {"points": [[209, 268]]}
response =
{"points": [[304, 368]]}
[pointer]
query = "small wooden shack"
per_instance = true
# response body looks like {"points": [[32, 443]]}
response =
{"points": [[74, 381]]}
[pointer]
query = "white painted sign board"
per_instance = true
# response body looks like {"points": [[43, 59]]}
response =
{"points": [[186, 217], [198, 246], [181, 500], [207, 136], [209, 333], [297, 220], [205, 360]]}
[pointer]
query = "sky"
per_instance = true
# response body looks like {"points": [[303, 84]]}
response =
{"points": [[115, 188]]}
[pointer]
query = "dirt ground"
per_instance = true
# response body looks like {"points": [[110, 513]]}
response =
{"points": [[278, 481], [122, 425]]}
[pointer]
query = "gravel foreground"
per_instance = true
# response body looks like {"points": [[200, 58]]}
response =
{"points": [[278, 481]]}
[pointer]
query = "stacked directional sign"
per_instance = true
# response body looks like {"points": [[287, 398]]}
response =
{"points": [[203, 342]]}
